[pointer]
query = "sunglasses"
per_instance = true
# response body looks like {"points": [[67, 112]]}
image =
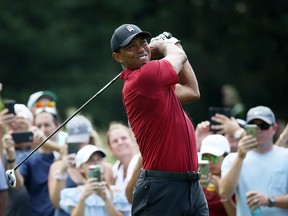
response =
{"points": [[213, 158], [263, 125], [45, 104], [50, 110]]}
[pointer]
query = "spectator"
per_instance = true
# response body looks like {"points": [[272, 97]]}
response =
{"points": [[134, 177], [92, 198], [63, 173], [122, 144], [18, 201], [3, 190], [33, 173], [283, 138], [215, 148], [258, 171], [203, 130], [42, 99]]}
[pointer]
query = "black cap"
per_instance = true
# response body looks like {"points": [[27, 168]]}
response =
{"points": [[124, 34]]}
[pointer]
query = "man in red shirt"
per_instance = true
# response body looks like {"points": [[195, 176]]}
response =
{"points": [[152, 95]]}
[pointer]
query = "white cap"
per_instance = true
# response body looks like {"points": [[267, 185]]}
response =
{"points": [[215, 144], [23, 111], [85, 153]]}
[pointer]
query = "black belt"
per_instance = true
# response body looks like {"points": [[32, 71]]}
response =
{"points": [[185, 176]]}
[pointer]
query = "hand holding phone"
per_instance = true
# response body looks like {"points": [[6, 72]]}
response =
{"points": [[22, 136], [251, 129], [95, 172], [204, 170], [9, 104], [221, 110]]}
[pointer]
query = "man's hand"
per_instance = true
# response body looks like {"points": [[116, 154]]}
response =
{"points": [[157, 42], [167, 37], [246, 144]]}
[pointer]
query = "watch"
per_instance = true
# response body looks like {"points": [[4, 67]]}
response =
{"points": [[271, 201], [238, 133]]}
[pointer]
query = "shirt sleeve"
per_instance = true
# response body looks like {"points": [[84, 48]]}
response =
{"points": [[3, 181], [227, 162]]}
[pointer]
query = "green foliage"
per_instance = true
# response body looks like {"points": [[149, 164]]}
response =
{"points": [[64, 46]]}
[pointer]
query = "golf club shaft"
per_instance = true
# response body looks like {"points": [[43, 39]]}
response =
{"points": [[65, 122]]}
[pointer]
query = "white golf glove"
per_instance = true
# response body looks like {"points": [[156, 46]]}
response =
{"points": [[167, 37]]}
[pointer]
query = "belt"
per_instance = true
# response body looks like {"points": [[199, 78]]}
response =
{"points": [[185, 176]]}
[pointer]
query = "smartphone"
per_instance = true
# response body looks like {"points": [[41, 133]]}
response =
{"points": [[9, 104], [221, 110], [73, 148], [204, 170], [95, 172], [22, 136], [251, 129]]}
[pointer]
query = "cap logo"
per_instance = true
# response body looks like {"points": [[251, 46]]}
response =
{"points": [[130, 28]]}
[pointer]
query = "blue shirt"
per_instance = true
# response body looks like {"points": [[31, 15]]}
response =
{"points": [[3, 181], [35, 171]]}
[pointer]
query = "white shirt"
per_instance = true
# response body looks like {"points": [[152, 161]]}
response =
{"points": [[266, 173]]}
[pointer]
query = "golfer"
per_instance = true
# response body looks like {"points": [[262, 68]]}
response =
{"points": [[153, 92]]}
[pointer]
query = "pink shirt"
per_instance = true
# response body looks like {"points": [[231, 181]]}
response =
{"points": [[163, 131]]}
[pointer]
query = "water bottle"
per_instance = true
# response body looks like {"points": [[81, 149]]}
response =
{"points": [[256, 212]]}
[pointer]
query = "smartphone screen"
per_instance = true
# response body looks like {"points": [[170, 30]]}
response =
{"points": [[221, 110], [95, 172], [204, 170], [73, 148], [22, 136], [251, 129], [9, 104]]}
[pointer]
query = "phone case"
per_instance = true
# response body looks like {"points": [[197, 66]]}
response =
{"points": [[9, 104], [221, 110], [251, 129], [22, 136], [204, 170]]}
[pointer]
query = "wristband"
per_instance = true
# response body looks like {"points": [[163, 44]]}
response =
{"points": [[11, 160], [238, 133]]}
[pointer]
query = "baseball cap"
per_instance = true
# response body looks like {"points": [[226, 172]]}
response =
{"points": [[215, 144], [79, 129], [124, 34], [23, 111], [37, 95], [261, 112], [85, 153]]}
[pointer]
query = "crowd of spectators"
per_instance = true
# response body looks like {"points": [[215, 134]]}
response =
{"points": [[246, 174]]}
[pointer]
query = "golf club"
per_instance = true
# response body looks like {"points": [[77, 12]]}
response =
{"points": [[11, 173]]}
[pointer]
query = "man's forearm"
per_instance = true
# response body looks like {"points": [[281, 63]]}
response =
{"points": [[187, 90], [229, 182]]}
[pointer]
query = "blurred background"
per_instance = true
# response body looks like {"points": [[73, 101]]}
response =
{"points": [[64, 46]]}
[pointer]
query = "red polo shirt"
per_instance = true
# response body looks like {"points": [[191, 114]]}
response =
{"points": [[163, 131]]}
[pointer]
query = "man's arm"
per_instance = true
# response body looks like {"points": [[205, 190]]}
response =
{"points": [[187, 90], [171, 52], [283, 138], [229, 181]]}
